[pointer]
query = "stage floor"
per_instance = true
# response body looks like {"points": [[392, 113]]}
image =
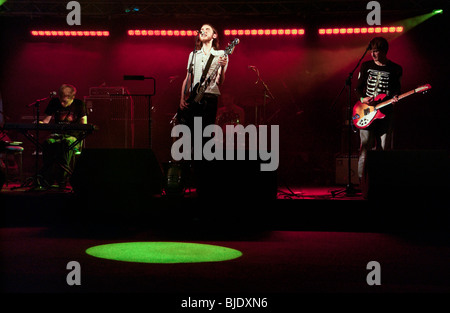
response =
{"points": [[315, 192], [305, 241], [286, 267]]}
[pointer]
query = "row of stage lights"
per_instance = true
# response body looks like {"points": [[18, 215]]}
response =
{"points": [[72, 33], [360, 30], [227, 32]]}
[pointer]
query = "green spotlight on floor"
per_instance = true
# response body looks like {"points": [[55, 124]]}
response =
{"points": [[163, 252], [438, 11]]}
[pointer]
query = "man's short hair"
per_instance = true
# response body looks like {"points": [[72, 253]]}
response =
{"points": [[64, 86], [379, 43]]}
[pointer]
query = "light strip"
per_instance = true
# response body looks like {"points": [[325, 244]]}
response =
{"points": [[360, 30], [70, 33], [264, 32], [227, 32], [161, 32]]}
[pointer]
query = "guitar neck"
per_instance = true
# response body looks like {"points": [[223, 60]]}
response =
{"points": [[213, 75], [404, 95], [207, 81]]}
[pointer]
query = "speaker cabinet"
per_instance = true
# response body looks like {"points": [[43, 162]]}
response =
{"points": [[407, 176], [117, 173], [230, 180], [122, 121]]}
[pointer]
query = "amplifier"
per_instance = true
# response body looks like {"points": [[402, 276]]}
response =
{"points": [[123, 122], [342, 170], [106, 91]]}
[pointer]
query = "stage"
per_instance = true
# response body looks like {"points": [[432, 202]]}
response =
{"points": [[305, 241]]}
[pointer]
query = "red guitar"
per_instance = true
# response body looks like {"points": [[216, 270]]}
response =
{"points": [[364, 115]]}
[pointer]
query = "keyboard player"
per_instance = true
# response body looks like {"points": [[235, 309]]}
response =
{"points": [[57, 157]]}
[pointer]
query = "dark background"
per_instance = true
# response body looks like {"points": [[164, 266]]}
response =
{"points": [[304, 73]]}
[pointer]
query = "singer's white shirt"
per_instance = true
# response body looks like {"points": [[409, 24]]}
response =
{"points": [[200, 61]]}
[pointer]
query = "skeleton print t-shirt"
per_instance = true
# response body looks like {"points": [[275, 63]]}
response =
{"points": [[374, 80]]}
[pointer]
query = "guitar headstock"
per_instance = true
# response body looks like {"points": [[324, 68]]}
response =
{"points": [[231, 46], [423, 88]]}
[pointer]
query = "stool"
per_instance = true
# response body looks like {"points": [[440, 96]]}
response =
{"points": [[16, 151]]}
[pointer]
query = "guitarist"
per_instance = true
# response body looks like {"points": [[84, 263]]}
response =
{"points": [[207, 44], [378, 76], [205, 60]]}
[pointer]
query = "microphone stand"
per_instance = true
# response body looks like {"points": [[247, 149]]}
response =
{"points": [[191, 67], [35, 180], [267, 94], [349, 189], [189, 80]]}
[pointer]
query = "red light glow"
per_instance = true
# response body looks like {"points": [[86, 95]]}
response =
{"points": [[361, 30]]}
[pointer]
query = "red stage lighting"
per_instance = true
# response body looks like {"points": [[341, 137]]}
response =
{"points": [[161, 32], [66, 33], [360, 30]]}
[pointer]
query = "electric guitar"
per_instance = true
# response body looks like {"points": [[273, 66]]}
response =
{"points": [[194, 98], [363, 114]]}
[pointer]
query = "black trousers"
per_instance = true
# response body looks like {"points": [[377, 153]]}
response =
{"points": [[206, 109]]}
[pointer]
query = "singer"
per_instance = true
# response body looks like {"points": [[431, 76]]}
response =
{"points": [[57, 158], [378, 76], [201, 64], [206, 63]]}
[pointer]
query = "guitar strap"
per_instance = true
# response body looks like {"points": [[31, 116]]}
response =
{"points": [[205, 71]]}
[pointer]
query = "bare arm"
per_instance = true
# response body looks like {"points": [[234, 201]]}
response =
{"points": [[223, 61], [46, 119], [183, 103]]}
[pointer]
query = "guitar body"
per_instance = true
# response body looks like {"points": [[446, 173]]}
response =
{"points": [[363, 115], [184, 116]]}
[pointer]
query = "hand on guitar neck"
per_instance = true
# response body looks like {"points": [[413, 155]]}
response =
{"points": [[374, 101], [367, 109]]}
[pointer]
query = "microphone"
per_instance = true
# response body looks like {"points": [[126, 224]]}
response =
{"points": [[173, 78], [254, 69], [369, 47], [36, 102], [200, 32]]}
